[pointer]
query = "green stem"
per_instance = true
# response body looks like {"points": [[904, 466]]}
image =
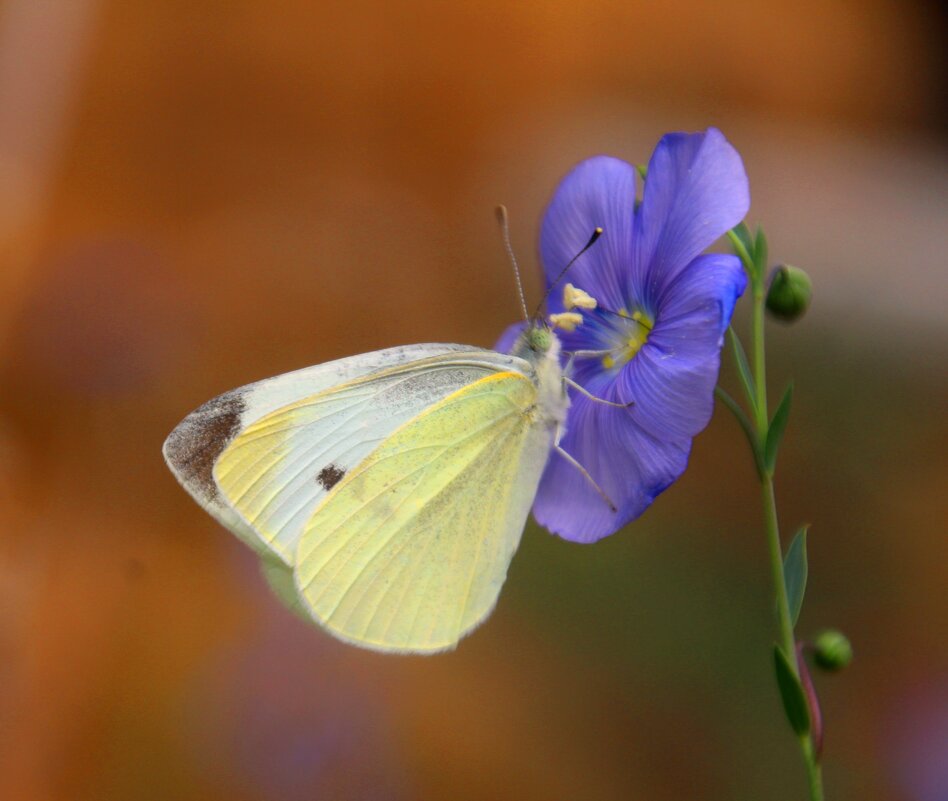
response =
{"points": [[772, 528], [772, 525], [814, 771], [760, 367]]}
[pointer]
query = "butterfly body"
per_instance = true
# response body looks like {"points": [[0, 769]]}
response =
{"points": [[392, 486]]}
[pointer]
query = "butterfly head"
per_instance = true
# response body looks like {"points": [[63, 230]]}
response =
{"points": [[539, 338], [537, 342]]}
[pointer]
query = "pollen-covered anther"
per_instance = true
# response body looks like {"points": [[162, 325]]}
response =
{"points": [[566, 320], [575, 298]]}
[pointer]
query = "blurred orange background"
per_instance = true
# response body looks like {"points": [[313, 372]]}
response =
{"points": [[198, 195]]}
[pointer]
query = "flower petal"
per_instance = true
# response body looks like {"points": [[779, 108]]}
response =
{"points": [[708, 287], [635, 453], [671, 379], [696, 190], [631, 466], [599, 192]]}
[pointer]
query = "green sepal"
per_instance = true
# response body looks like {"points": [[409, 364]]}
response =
{"points": [[743, 370], [760, 253], [791, 693], [642, 170], [776, 428], [795, 572]]}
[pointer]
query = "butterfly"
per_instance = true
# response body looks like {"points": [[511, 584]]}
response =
{"points": [[386, 492]]}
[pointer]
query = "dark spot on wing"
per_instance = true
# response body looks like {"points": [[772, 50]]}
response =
{"points": [[193, 447], [329, 476]]}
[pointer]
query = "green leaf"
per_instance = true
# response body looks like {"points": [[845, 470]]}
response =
{"points": [[642, 170], [743, 245], [760, 253], [776, 428], [742, 232], [791, 693], [794, 573], [745, 423], [743, 370]]}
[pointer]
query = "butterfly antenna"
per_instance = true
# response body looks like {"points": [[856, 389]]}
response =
{"points": [[592, 241], [505, 230]]}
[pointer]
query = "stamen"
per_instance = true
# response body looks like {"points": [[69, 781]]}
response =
{"points": [[575, 298], [566, 320]]}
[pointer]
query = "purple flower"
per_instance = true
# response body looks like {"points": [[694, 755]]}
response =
{"points": [[663, 311]]}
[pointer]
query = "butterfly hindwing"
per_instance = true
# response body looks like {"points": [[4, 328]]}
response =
{"points": [[410, 550]]}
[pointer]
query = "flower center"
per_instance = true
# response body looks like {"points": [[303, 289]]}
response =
{"points": [[629, 333]]}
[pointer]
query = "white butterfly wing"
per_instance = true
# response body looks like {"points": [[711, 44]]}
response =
{"points": [[409, 553], [260, 458]]}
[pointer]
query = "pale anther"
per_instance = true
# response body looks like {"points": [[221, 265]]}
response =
{"points": [[575, 298], [566, 320]]}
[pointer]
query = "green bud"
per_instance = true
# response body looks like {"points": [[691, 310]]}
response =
{"points": [[832, 651], [789, 293]]}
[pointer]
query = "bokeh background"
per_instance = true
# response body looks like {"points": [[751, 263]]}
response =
{"points": [[195, 195]]}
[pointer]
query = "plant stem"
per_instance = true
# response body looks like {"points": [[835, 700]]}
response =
{"points": [[760, 367], [772, 525], [772, 529], [814, 772]]}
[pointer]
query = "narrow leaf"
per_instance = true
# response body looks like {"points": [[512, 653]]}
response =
{"points": [[745, 254], [743, 370], [745, 423], [776, 428], [742, 232], [794, 573], [791, 693], [760, 252]]}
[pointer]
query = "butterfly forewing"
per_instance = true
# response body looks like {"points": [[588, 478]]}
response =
{"points": [[387, 387], [192, 449], [410, 550]]}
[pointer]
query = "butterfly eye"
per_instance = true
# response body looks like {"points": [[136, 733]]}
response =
{"points": [[540, 339]]}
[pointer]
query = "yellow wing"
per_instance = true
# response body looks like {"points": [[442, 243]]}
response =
{"points": [[275, 472], [410, 550]]}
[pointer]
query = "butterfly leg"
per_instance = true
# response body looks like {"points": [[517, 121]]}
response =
{"points": [[583, 391], [584, 471]]}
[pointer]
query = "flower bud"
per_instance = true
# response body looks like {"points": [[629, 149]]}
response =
{"points": [[832, 651], [789, 293]]}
